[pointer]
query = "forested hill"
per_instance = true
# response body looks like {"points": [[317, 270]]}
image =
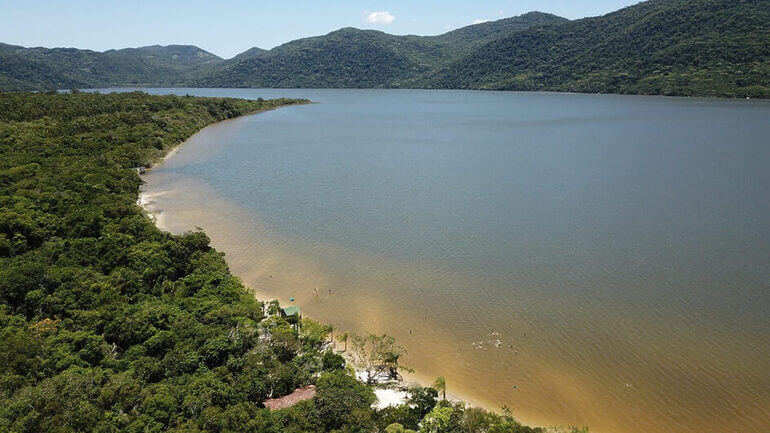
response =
{"points": [[64, 68], [670, 47], [351, 57], [476, 35], [345, 58], [108, 325], [676, 47]]}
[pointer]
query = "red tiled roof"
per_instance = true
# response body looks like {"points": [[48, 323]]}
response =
{"points": [[300, 394]]}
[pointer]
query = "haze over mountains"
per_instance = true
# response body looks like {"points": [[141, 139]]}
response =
{"points": [[673, 47]]}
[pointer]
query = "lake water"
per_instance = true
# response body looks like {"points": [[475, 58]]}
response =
{"points": [[582, 259]]}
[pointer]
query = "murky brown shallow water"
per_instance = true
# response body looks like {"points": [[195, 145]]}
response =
{"points": [[585, 260]]}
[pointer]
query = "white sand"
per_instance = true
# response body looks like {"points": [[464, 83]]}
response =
{"points": [[147, 202], [389, 397]]}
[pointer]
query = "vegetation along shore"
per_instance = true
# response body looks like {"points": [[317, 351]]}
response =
{"points": [[111, 325]]}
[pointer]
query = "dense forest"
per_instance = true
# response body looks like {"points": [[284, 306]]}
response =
{"points": [[108, 324], [64, 68], [351, 57], [669, 47]]}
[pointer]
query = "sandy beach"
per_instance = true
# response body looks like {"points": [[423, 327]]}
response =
{"points": [[390, 394]]}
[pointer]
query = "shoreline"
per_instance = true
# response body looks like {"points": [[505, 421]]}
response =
{"points": [[406, 379], [554, 92], [146, 201]]}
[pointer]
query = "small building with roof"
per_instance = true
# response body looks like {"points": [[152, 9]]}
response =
{"points": [[292, 314], [291, 311]]}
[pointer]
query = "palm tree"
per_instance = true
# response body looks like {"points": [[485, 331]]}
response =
{"points": [[343, 338], [330, 327], [440, 385]]}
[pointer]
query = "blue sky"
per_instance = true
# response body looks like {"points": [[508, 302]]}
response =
{"points": [[229, 27]]}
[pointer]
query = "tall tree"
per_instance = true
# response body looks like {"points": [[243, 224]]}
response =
{"points": [[343, 338], [377, 354], [440, 385]]}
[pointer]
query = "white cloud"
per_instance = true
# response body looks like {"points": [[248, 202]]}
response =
{"points": [[479, 21], [381, 17]]}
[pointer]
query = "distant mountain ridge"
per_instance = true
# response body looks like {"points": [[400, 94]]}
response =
{"points": [[350, 57], [671, 47], [173, 56], [41, 68], [677, 47]]}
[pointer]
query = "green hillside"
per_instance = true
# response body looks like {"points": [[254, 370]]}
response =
{"points": [[51, 68], [469, 37], [344, 58], [176, 57], [671, 47], [251, 52], [351, 57]]}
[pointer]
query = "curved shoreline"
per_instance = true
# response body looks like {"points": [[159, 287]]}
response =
{"points": [[159, 217], [301, 259], [144, 199], [166, 222]]}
